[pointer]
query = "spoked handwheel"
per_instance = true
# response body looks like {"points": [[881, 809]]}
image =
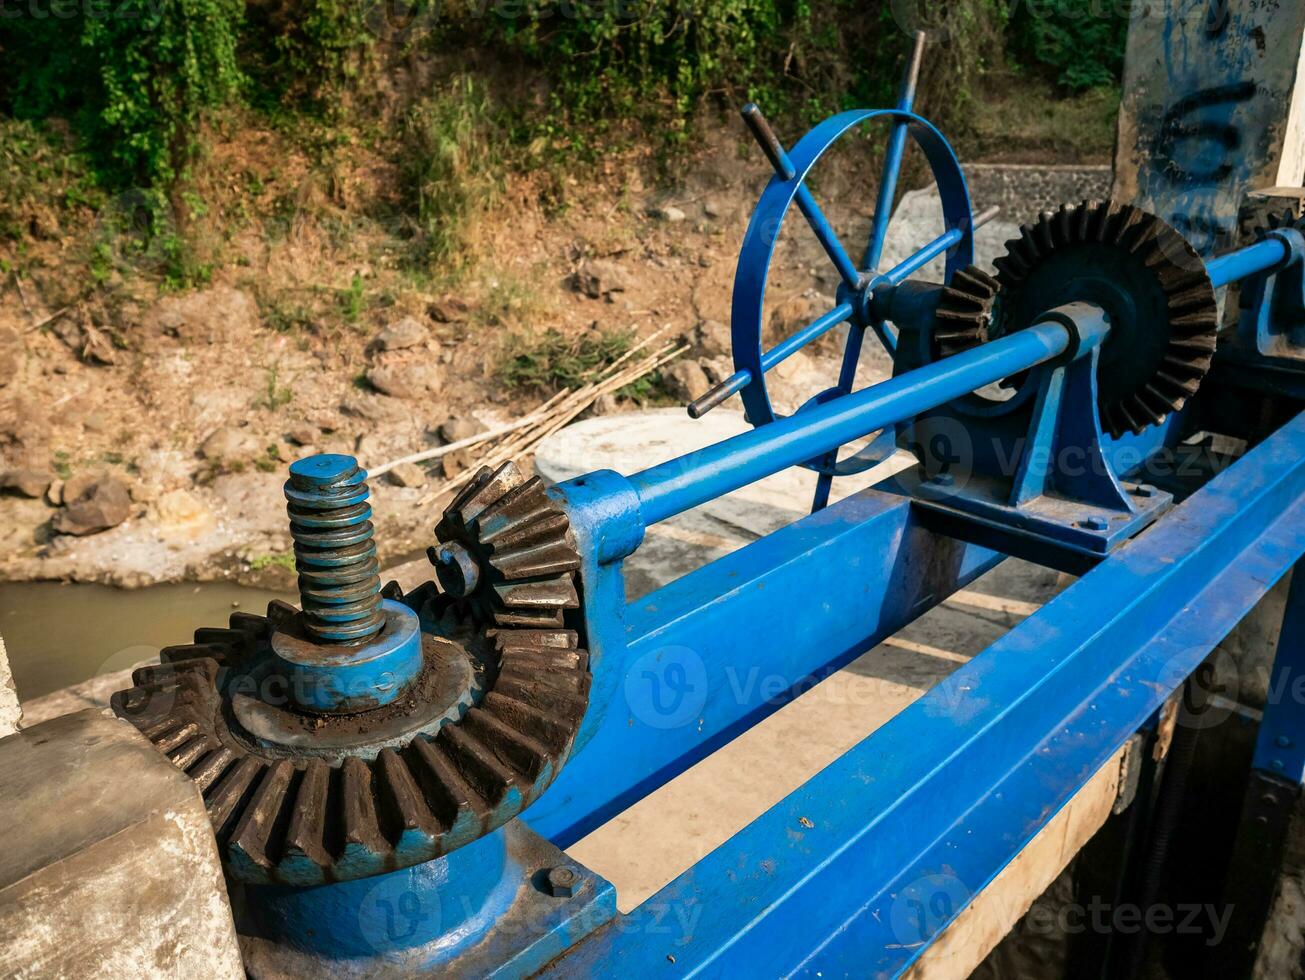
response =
{"points": [[852, 302]]}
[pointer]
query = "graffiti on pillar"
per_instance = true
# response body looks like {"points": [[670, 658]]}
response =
{"points": [[1208, 87]]}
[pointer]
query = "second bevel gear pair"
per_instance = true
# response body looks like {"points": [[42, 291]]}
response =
{"points": [[467, 749], [1145, 275]]}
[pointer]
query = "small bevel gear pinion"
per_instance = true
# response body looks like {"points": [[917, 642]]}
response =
{"points": [[301, 798], [965, 312], [1152, 285]]}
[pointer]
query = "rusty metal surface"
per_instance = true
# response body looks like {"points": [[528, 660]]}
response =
{"points": [[318, 798]]}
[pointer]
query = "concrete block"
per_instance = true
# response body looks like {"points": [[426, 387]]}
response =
{"points": [[1212, 108], [11, 713], [109, 867]]}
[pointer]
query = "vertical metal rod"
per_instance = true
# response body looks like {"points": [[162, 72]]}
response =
{"points": [[784, 169], [875, 247]]}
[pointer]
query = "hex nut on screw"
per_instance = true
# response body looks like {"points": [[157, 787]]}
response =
{"points": [[1096, 524], [563, 882]]}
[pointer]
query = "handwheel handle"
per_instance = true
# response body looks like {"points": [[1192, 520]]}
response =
{"points": [[769, 142]]}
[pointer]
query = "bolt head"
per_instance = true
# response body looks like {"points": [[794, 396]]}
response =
{"points": [[944, 479], [1283, 741], [1144, 490], [1096, 524], [563, 882]]}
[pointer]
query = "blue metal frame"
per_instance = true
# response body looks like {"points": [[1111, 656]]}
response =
{"points": [[927, 810]]}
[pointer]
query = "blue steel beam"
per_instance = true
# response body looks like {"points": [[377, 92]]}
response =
{"points": [[668, 690], [856, 872]]}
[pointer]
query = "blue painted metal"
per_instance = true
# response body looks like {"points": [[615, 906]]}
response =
{"points": [[1280, 745], [669, 688], [483, 910], [1243, 263], [330, 677], [768, 217], [859, 870], [674, 487]]}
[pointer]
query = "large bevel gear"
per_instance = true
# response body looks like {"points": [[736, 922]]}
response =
{"points": [[455, 758], [1149, 280]]}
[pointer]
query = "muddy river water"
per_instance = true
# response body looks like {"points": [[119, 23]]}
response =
{"points": [[59, 634]]}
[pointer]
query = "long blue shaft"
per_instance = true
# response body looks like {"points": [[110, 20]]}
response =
{"points": [[1246, 261], [676, 486]]}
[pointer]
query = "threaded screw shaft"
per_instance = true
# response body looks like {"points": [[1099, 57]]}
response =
{"points": [[339, 575]]}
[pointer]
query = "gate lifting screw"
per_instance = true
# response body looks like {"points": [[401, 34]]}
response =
{"points": [[563, 882], [339, 576]]}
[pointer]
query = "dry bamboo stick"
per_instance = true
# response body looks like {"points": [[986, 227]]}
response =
{"points": [[427, 454], [562, 413]]}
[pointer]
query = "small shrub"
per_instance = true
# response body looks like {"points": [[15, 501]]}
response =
{"points": [[1078, 43], [451, 169], [553, 360]]}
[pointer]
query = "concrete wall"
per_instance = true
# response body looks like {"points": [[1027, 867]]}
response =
{"points": [[109, 867], [11, 714], [1211, 109]]}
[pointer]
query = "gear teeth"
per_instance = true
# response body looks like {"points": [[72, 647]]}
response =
{"points": [[480, 767], [406, 820], [305, 821], [189, 752], [964, 313], [459, 808], [514, 749], [305, 837], [208, 770], [1192, 322], [258, 836], [539, 725]]}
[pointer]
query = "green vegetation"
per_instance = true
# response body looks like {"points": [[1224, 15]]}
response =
{"points": [[551, 360], [451, 166], [109, 112], [261, 563]]}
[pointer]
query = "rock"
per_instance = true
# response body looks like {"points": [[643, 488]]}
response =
{"points": [[448, 309], [458, 461], [181, 510], [712, 339], [686, 380], [712, 208], [27, 483], [142, 492], [79, 483], [599, 279], [606, 404], [410, 379], [793, 366], [210, 316], [667, 212], [407, 475], [96, 422], [102, 505], [402, 334], [230, 445], [372, 408], [717, 369], [303, 435], [54, 493], [458, 427]]}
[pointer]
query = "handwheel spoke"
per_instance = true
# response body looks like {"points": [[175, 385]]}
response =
{"points": [[893, 158], [827, 237]]}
